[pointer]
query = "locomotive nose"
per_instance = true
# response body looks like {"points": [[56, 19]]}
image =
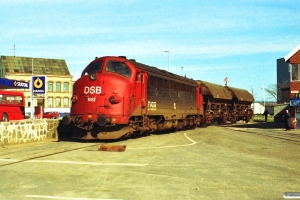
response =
{"points": [[101, 120]]}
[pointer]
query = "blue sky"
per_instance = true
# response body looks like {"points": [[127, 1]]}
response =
{"points": [[211, 40]]}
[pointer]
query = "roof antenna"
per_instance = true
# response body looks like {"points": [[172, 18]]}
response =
{"points": [[14, 50], [226, 81]]}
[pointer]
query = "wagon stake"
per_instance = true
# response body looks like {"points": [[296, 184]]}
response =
{"points": [[110, 147]]}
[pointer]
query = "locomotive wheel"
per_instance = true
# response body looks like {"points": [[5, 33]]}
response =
{"points": [[206, 124]]}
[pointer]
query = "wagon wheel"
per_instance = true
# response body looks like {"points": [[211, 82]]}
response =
{"points": [[4, 117], [220, 121], [247, 119]]}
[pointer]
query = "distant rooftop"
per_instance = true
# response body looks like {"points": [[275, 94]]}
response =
{"points": [[14, 64], [293, 52]]}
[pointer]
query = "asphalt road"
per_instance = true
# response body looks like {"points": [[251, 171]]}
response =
{"points": [[253, 161]]}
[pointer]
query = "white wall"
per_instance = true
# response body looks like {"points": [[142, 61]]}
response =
{"points": [[257, 108]]}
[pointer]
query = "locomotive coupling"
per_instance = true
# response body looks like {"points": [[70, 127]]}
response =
{"points": [[102, 120]]}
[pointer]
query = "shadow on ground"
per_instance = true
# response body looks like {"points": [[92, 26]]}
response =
{"points": [[262, 125]]}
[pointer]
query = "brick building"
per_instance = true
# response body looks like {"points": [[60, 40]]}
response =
{"points": [[293, 61]]}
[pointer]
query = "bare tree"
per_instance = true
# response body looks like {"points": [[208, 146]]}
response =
{"points": [[271, 90], [253, 92]]}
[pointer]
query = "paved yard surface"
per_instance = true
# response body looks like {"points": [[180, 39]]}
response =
{"points": [[243, 161]]}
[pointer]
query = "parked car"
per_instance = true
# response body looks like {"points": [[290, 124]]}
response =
{"points": [[48, 115]]}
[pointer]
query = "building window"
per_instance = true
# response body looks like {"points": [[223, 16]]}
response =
{"points": [[58, 87], [295, 74], [66, 102], [66, 87], [58, 102], [50, 102], [50, 86]]}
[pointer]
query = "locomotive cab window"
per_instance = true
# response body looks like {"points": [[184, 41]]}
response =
{"points": [[93, 67], [118, 67]]}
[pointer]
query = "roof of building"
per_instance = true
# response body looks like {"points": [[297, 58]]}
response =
{"points": [[293, 52], [14, 64]]}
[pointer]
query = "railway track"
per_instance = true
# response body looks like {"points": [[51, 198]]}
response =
{"points": [[269, 130], [37, 151]]}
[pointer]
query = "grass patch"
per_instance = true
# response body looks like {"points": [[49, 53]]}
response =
{"points": [[261, 118]]}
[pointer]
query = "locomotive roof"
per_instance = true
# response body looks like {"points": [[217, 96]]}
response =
{"points": [[217, 91], [162, 73], [241, 95]]}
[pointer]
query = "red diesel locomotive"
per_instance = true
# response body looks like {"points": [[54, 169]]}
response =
{"points": [[116, 97]]}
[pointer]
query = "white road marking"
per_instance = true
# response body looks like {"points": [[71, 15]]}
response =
{"points": [[172, 146], [8, 160], [87, 163], [68, 198], [102, 164], [76, 163]]}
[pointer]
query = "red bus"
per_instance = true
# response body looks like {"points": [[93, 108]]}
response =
{"points": [[11, 105]]}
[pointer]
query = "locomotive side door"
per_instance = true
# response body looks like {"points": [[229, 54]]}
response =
{"points": [[140, 92]]}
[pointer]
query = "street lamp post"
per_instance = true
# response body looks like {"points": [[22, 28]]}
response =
{"points": [[181, 70], [31, 91], [263, 88], [168, 59]]}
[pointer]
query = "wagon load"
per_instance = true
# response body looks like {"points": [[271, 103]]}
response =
{"points": [[241, 104], [216, 101]]}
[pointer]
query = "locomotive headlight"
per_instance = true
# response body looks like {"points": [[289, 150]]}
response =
{"points": [[74, 98], [89, 117], [93, 76], [115, 99]]}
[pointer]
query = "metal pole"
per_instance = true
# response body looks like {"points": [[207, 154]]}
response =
{"points": [[168, 59], [264, 98], [181, 70], [263, 88], [31, 92]]}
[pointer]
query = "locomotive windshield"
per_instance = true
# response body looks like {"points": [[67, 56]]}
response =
{"points": [[93, 67], [118, 67]]}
